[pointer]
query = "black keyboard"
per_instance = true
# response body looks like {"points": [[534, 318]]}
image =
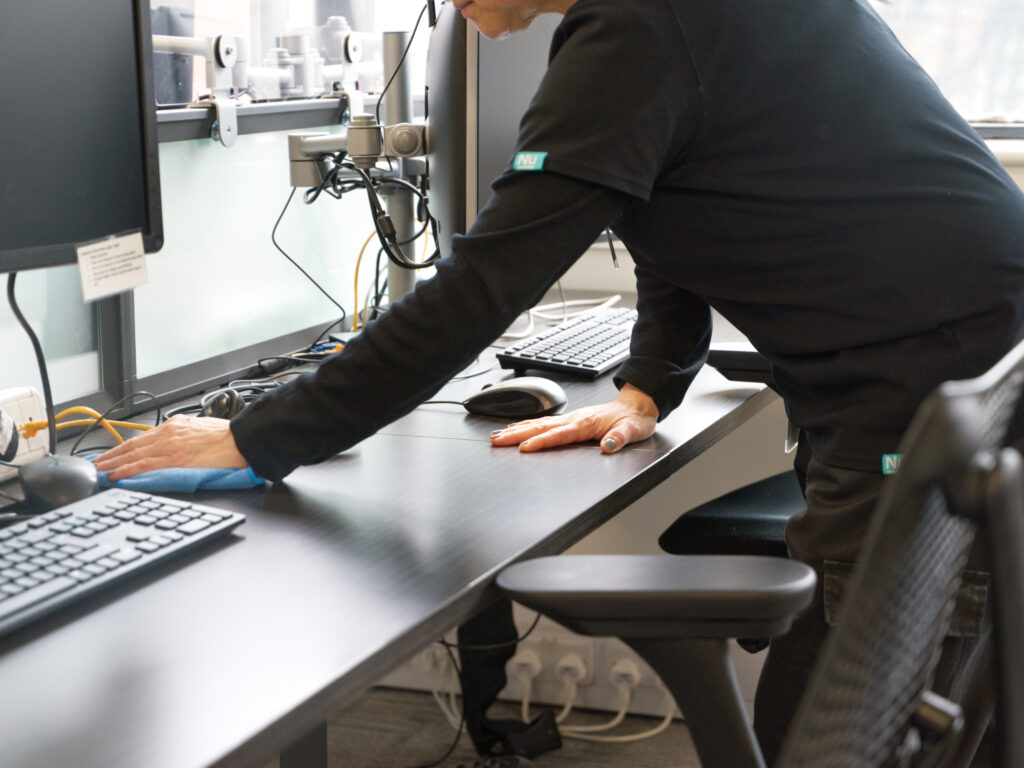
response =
{"points": [[62, 556], [588, 345]]}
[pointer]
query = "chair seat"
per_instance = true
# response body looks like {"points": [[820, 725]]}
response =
{"points": [[662, 595], [748, 521]]}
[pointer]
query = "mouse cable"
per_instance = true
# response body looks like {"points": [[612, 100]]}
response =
{"points": [[273, 239]]}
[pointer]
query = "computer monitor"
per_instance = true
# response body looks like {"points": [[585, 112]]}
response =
{"points": [[450, 115], [78, 140], [477, 92], [507, 73]]}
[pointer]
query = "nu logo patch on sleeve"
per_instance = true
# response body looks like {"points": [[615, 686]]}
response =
{"points": [[891, 463], [529, 161]]}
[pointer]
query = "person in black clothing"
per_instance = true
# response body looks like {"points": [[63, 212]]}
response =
{"points": [[783, 162]]}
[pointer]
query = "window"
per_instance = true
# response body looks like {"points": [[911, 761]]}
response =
{"points": [[974, 49]]}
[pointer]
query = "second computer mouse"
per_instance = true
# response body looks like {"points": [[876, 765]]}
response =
{"points": [[523, 397], [54, 481]]}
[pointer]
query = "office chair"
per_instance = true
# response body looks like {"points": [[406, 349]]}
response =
{"points": [[868, 702], [750, 520]]}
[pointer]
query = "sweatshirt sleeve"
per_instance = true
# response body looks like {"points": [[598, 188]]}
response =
{"points": [[534, 228], [669, 344]]}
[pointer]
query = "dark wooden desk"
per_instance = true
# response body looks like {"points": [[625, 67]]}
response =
{"points": [[340, 574]]}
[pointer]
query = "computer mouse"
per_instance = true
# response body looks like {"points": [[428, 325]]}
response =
{"points": [[524, 397], [54, 481]]}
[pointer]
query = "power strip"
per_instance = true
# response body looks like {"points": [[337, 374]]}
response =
{"points": [[24, 404]]}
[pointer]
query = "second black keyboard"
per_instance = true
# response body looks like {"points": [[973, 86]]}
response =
{"points": [[62, 556], [588, 345]]}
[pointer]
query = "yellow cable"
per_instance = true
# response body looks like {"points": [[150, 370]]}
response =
{"points": [[355, 317], [113, 423], [31, 428], [87, 411]]}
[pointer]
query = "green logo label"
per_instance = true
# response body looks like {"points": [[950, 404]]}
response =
{"points": [[529, 161], [891, 463]]}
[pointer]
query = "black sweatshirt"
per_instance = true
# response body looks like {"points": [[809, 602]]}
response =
{"points": [[785, 162]]}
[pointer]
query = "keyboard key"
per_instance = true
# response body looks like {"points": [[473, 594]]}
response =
{"points": [[193, 526], [94, 554], [20, 602]]}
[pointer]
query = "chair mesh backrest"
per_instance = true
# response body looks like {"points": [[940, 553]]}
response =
{"points": [[881, 655]]}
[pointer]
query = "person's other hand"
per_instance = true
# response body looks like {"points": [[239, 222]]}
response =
{"points": [[181, 441], [630, 418]]}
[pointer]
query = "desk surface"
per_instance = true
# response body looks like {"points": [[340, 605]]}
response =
{"points": [[340, 573]]}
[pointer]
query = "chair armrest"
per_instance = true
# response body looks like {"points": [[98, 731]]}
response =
{"points": [[664, 595]]}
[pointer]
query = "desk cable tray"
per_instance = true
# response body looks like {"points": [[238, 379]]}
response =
{"points": [[63, 556], [588, 345]]}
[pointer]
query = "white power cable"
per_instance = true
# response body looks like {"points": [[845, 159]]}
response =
{"points": [[571, 689], [664, 724], [627, 699], [524, 705], [544, 312]]}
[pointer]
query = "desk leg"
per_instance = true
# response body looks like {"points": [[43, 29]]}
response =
{"points": [[483, 671], [308, 752]]}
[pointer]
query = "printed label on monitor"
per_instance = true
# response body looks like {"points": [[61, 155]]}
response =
{"points": [[112, 265]]}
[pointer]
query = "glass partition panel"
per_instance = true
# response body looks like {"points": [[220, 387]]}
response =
{"points": [[51, 300], [282, 48], [220, 284]]}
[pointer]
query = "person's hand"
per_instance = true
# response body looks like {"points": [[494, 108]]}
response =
{"points": [[181, 441], [629, 419]]}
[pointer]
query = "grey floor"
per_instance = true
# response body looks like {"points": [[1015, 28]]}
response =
{"points": [[391, 728]]}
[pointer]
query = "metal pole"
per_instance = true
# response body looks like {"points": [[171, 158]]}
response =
{"points": [[401, 203]]}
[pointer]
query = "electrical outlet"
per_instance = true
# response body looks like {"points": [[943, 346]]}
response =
{"points": [[553, 649], [24, 404]]}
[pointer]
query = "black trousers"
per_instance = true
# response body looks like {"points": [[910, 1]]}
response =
{"points": [[828, 537]]}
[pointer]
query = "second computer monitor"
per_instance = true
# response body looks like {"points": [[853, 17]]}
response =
{"points": [[78, 134]]}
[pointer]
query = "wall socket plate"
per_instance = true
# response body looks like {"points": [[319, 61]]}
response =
{"points": [[24, 404]]}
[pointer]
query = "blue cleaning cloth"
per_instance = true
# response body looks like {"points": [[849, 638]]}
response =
{"points": [[187, 480]]}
